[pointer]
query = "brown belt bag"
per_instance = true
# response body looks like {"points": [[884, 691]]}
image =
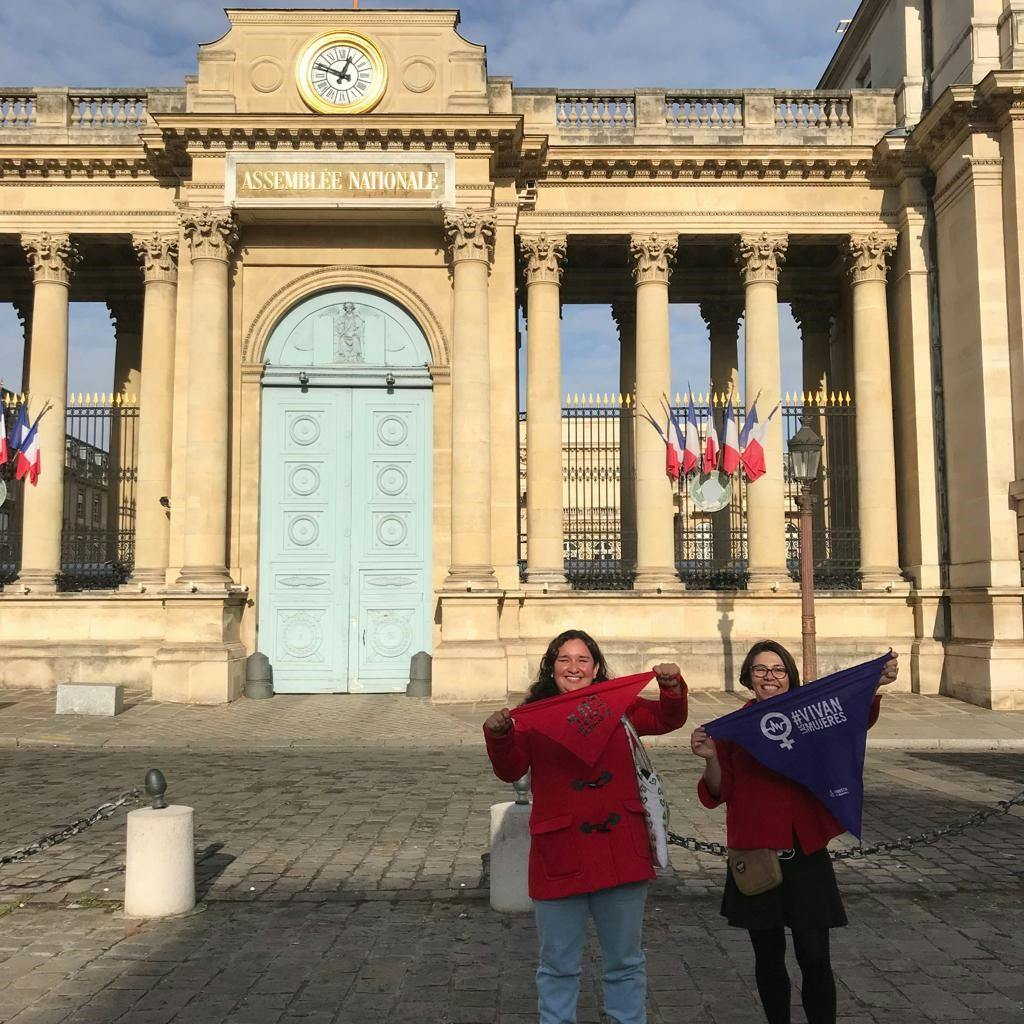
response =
{"points": [[755, 871]]}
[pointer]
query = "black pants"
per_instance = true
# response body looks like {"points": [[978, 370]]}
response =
{"points": [[818, 987]]}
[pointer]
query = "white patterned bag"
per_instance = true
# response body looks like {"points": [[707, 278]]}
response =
{"points": [[652, 794]]}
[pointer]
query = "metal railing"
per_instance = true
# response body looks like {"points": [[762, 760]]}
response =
{"points": [[710, 547], [100, 472]]}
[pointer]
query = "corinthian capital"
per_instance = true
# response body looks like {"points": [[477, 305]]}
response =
{"points": [[814, 313], [867, 255], [722, 313], [211, 232], [158, 255], [470, 235], [653, 256], [53, 257], [760, 256], [543, 257]]}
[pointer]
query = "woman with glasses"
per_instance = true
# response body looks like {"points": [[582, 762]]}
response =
{"points": [[765, 810], [590, 855]]}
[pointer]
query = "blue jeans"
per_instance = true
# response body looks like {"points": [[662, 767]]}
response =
{"points": [[618, 915]]}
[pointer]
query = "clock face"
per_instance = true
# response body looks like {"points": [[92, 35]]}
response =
{"points": [[342, 73]]}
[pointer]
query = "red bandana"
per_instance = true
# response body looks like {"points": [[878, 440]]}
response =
{"points": [[583, 721]]}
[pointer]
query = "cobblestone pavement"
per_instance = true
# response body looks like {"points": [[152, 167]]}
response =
{"points": [[331, 721], [348, 886]]}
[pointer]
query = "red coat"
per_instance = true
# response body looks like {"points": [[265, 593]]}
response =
{"points": [[568, 855], [763, 808]]}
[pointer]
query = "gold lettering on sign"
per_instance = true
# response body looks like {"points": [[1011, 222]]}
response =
{"points": [[370, 181]]}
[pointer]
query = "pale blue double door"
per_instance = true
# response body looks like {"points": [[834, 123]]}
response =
{"points": [[345, 529]]}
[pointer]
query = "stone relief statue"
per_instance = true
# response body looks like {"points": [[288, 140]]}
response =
{"points": [[349, 331]]}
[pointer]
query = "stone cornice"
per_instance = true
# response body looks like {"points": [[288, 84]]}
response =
{"points": [[689, 163], [114, 162], [653, 256], [53, 257], [760, 256], [439, 18], [951, 118], [543, 257]]}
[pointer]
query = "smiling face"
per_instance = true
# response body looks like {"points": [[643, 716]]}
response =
{"points": [[574, 666], [768, 675]]}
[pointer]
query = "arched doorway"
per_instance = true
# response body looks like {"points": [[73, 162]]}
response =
{"points": [[346, 496]]}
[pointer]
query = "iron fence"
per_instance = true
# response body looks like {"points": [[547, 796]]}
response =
{"points": [[835, 531], [599, 540], [100, 474]]}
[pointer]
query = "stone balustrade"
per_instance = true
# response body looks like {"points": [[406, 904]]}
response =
{"points": [[737, 117], [66, 116], [17, 109]]}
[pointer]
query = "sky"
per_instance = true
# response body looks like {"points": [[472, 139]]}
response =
{"points": [[566, 43]]}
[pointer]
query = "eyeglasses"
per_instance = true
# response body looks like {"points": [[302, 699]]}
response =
{"points": [[763, 671]]}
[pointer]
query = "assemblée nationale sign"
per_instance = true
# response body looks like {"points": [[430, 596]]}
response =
{"points": [[340, 180]]}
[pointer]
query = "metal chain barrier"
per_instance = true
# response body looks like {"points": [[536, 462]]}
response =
{"points": [[130, 796], [932, 835]]}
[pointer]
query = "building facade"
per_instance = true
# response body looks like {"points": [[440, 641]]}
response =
{"points": [[317, 252]]}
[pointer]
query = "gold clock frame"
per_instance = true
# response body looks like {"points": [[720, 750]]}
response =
{"points": [[314, 100]]}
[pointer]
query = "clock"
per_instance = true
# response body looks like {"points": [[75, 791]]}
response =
{"points": [[341, 73]]}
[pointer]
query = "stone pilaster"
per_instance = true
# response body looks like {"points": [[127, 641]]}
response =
{"points": [[158, 255], [543, 262], [760, 257], [53, 258], [212, 236], [653, 257], [867, 256], [470, 237]]}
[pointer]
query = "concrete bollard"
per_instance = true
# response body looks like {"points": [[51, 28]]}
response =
{"points": [[510, 854], [160, 870]]}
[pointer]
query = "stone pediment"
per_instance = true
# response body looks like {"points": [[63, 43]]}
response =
{"points": [[254, 68]]}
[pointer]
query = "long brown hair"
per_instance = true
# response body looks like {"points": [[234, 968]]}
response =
{"points": [[545, 685], [776, 648]]}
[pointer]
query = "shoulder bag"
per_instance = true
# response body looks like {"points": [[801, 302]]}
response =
{"points": [[652, 795]]}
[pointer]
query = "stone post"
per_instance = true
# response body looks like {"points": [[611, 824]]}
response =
{"points": [[759, 258], [544, 260], [470, 235], [624, 315], [653, 257], [873, 422], [212, 236], [53, 258], [722, 315], [159, 256]]}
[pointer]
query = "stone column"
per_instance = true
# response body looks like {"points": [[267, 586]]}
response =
{"points": [[722, 315], [624, 315], [53, 258], [470, 236], [876, 475], [653, 257], [159, 256], [760, 257], [126, 312], [212, 236], [23, 309], [813, 314], [544, 259]]}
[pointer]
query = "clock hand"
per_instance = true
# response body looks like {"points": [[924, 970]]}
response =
{"points": [[330, 71], [344, 70]]}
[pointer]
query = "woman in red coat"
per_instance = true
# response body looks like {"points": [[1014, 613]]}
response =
{"points": [[590, 855], [767, 810]]}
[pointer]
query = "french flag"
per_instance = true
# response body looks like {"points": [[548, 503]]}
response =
{"points": [[752, 455], [4, 453], [710, 463], [20, 430], [29, 458], [671, 456], [691, 448], [730, 441]]}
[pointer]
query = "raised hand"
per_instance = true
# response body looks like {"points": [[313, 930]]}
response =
{"points": [[702, 744], [889, 671], [499, 723], [668, 675]]}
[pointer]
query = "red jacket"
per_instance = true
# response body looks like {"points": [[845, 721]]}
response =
{"points": [[763, 808], [568, 855]]}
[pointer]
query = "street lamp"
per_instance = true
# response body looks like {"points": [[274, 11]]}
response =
{"points": [[805, 458]]}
